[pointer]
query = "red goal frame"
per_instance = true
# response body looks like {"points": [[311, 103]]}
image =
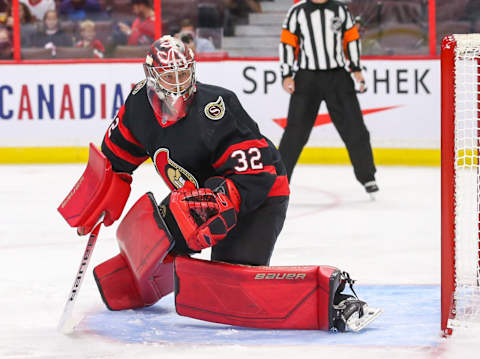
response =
{"points": [[448, 158], [447, 181]]}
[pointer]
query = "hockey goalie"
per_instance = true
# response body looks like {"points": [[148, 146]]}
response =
{"points": [[229, 191]]}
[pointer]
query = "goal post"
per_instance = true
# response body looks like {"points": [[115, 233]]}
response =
{"points": [[460, 177]]}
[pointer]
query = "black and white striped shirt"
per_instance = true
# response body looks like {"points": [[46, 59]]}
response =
{"points": [[318, 37]]}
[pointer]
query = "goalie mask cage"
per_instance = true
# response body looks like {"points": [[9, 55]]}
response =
{"points": [[460, 293]]}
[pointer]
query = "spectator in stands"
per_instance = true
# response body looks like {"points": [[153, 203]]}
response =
{"points": [[38, 8], [52, 35], [23, 13], [370, 45], [243, 7], [3, 11], [200, 44], [187, 39], [472, 12], [142, 31], [236, 13], [88, 38], [78, 10], [27, 22], [6, 50]]}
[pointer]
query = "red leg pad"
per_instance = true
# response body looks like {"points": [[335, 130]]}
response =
{"points": [[144, 242], [299, 297], [116, 284]]}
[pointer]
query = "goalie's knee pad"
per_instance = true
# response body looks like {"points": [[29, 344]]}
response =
{"points": [[141, 274], [116, 285]]}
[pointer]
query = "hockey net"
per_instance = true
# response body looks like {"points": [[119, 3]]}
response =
{"points": [[460, 63]]}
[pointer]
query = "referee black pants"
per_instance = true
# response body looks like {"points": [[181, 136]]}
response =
{"points": [[337, 89]]}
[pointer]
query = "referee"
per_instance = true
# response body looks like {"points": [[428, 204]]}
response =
{"points": [[318, 37]]}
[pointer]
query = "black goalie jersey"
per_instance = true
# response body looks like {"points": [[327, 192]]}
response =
{"points": [[216, 138]]}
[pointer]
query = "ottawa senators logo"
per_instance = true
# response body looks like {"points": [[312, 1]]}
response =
{"points": [[215, 110], [173, 174]]}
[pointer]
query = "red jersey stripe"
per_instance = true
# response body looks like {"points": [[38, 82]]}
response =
{"points": [[268, 169], [280, 187], [128, 135], [124, 130], [124, 155], [121, 112], [245, 145]]}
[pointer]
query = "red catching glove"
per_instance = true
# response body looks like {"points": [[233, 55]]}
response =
{"points": [[205, 216]]}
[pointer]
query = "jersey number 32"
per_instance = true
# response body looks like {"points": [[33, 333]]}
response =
{"points": [[250, 159]]}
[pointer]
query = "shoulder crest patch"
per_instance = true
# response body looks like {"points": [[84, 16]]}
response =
{"points": [[215, 110], [139, 86]]}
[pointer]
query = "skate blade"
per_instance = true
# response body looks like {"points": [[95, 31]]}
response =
{"points": [[372, 196], [355, 324]]}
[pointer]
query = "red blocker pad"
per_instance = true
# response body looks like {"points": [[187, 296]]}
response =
{"points": [[98, 190], [141, 274], [259, 297]]}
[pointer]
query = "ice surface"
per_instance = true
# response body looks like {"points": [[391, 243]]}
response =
{"points": [[160, 323], [391, 246]]}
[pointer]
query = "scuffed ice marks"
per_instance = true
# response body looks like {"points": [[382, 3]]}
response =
{"points": [[161, 324]]}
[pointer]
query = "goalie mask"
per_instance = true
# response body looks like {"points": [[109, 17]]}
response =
{"points": [[170, 71]]}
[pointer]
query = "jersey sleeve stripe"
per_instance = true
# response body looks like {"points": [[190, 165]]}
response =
{"points": [[288, 38], [122, 154], [267, 169], [245, 145], [280, 187], [127, 134]]}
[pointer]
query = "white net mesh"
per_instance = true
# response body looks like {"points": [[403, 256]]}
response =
{"points": [[467, 180]]}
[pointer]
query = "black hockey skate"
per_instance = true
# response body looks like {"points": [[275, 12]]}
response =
{"points": [[349, 312], [371, 188]]}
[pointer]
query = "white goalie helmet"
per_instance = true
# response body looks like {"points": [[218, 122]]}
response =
{"points": [[170, 71]]}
